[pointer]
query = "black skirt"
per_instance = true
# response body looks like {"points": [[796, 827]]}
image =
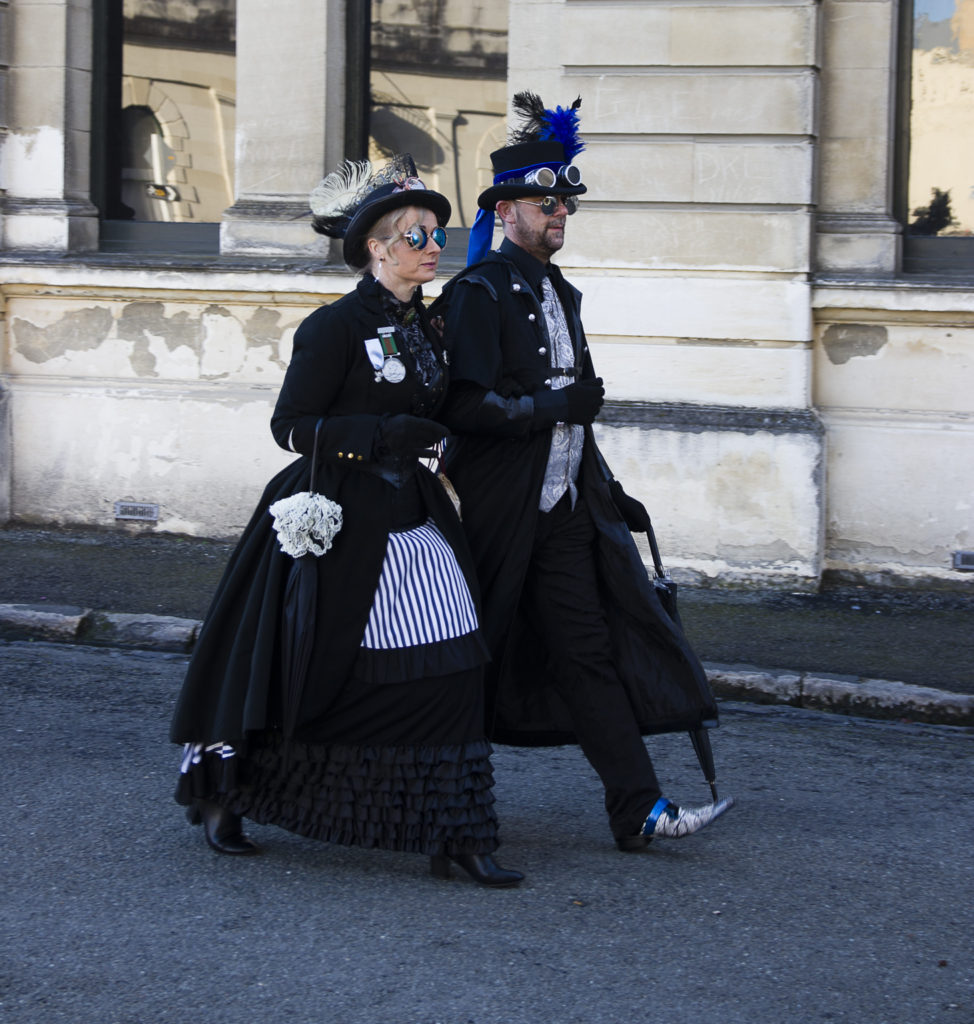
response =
{"points": [[393, 765]]}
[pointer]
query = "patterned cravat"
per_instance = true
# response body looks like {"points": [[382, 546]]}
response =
{"points": [[565, 455]]}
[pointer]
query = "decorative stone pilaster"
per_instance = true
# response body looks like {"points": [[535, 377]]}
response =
{"points": [[290, 126], [47, 142]]}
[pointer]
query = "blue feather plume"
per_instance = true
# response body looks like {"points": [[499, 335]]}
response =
{"points": [[562, 126]]}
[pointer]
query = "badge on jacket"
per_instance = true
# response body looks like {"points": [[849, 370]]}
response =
{"points": [[383, 354]]}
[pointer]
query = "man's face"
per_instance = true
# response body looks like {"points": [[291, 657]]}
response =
{"points": [[538, 233]]}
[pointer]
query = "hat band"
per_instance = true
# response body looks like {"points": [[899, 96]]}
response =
{"points": [[517, 176]]}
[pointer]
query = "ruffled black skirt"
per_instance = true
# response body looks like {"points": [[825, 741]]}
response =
{"points": [[393, 765]]}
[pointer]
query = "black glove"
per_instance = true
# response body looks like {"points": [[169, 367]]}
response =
{"points": [[403, 434], [632, 511], [578, 403]]}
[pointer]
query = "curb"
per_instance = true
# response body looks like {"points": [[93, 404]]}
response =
{"points": [[67, 625], [846, 695]]}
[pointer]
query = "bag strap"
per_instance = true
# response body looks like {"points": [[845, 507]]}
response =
{"points": [[654, 548], [314, 459]]}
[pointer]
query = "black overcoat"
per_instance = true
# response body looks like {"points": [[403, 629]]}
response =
{"points": [[233, 680], [499, 345]]}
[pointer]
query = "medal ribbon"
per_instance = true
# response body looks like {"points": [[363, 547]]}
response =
{"points": [[388, 341]]}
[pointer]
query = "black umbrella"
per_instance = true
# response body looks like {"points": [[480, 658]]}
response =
{"points": [[298, 616], [666, 591], [310, 518]]}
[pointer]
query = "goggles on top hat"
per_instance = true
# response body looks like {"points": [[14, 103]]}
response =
{"points": [[568, 175]]}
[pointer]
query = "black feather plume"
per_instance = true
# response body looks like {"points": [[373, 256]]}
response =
{"points": [[531, 109]]}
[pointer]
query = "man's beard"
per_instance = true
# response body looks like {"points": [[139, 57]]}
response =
{"points": [[540, 239]]}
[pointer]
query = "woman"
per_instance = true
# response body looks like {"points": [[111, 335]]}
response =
{"points": [[373, 737]]}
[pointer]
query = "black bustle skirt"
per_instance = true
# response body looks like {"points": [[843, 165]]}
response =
{"points": [[396, 766]]}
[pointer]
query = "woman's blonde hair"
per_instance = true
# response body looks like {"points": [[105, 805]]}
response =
{"points": [[386, 228]]}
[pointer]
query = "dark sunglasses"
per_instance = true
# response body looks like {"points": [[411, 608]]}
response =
{"points": [[416, 237], [549, 204]]}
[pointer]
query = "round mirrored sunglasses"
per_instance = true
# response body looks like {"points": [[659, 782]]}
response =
{"points": [[416, 237], [548, 204]]}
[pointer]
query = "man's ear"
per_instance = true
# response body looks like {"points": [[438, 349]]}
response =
{"points": [[505, 210]]}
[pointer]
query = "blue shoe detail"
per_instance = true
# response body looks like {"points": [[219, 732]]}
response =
{"points": [[661, 805]]}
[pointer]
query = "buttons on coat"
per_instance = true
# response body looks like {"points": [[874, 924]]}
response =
{"points": [[542, 351], [515, 287], [532, 317], [547, 382]]}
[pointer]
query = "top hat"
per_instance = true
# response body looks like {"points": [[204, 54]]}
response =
{"points": [[348, 203], [515, 173], [537, 161]]}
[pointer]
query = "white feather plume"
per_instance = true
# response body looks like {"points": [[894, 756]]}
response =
{"points": [[342, 189]]}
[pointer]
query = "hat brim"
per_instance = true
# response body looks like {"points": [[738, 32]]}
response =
{"points": [[353, 245], [489, 198]]}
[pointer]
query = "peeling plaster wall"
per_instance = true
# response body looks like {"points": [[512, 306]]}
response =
{"points": [[728, 505], [163, 395], [894, 385], [164, 400]]}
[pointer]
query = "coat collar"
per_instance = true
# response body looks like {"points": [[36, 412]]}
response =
{"points": [[371, 292]]}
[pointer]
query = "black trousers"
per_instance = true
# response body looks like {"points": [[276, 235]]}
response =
{"points": [[563, 595]]}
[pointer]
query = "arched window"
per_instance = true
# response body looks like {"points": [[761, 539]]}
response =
{"points": [[163, 122]]}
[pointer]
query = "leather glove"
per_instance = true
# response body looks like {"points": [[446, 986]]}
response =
{"points": [[578, 403], [632, 511], [403, 434]]}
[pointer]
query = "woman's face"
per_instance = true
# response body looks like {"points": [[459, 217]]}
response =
{"points": [[398, 265]]}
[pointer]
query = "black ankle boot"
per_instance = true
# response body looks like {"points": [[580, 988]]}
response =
{"points": [[481, 867], [221, 828]]}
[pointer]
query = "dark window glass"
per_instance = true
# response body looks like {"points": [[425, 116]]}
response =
{"points": [[164, 119], [438, 90]]}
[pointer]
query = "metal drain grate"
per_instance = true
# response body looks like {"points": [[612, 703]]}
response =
{"points": [[146, 513], [964, 561]]}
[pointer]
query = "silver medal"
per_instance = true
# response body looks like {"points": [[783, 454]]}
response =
{"points": [[393, 370]]}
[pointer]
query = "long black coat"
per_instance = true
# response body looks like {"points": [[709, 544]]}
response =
{"points": [[233, 680], [499, 345]]}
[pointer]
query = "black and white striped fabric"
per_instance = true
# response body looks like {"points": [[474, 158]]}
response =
{"points": [[422, 597]]}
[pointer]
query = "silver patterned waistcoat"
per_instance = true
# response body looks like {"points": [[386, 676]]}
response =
{"points": [[565, 455]]}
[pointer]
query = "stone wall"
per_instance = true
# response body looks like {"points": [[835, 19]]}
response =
{"points": [[783, 399]]}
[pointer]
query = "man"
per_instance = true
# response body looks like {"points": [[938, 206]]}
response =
{"points": [[581, 646]]}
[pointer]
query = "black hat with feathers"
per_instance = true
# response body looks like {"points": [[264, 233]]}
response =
{"points": [[348, 202], [543, 138]]}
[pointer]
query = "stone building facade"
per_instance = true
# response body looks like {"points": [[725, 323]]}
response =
{"points": [[790, 379]]}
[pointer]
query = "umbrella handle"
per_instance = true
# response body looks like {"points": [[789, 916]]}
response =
{"points": [[314, 458]]}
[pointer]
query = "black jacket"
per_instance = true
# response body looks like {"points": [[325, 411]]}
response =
{"points": [[499, 346], [232, 683]]}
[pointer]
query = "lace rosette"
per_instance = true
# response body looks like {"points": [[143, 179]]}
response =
{"points": [[306, 522]]}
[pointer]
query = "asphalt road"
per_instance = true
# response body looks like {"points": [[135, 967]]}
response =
{"points": [[840, 888]]}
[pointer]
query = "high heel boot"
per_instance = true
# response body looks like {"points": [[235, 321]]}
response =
{"points": [[221, 828], [481, 867]]}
